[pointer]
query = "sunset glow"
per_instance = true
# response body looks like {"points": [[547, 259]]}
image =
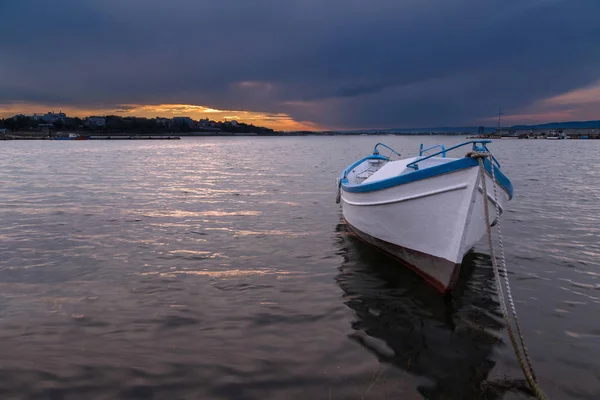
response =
{"points": [[587, 95], [576, 105], [277, 66], [277, 121]]}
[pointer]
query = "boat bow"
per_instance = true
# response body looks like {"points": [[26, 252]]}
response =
{"points": [[427, 211]]}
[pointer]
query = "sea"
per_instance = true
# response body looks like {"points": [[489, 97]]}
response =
{"points": [[220, 268]]}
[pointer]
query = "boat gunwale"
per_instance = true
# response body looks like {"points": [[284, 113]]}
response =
{"points": [[421, 174]]}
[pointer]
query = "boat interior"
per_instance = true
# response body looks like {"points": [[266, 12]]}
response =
{"points": [[378, 168]]}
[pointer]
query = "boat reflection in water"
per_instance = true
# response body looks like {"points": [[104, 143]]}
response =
{"points": [[449, 340]]}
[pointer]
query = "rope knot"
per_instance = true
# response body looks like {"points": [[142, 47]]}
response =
{"points": [[477, 154]]}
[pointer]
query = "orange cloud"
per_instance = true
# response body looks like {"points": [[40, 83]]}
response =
{"points": [[532, 117], [277, 121], [579, 104], [586, 95]]}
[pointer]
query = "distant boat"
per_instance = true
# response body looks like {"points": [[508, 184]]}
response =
{"points": [[71, 136], [425, 211]]}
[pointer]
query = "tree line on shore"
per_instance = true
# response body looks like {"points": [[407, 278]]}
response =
{"points": [[136, 125]]}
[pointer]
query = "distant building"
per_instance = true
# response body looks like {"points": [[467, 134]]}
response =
{"points": [[481, 130], [563, 133], [162, 121], [234, 123], [179, 121], [507, 132], [50, 117], [204, 122], [95, 121], [3, 131]]}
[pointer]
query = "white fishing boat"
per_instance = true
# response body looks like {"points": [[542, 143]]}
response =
{"points": [[426, 211]]}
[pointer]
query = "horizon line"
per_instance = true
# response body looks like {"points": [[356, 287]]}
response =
{"points": [[239, 121]]}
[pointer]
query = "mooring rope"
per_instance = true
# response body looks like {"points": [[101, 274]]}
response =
{"points": [[526, 365]]}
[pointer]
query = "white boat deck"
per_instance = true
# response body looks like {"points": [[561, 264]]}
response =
{"points": [[395, 168]]}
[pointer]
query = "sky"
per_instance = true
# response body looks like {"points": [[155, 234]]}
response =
{"points": [[305, 64]]}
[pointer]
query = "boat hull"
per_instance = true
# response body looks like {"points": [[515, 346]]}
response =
{"points": [[429, 224], [434, 270]]}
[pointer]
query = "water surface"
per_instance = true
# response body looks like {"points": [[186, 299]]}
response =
{"points": [[219, 268]]}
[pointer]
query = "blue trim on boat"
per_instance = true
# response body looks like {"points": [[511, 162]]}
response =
{"points": [[376, 152], [478, 145], [422, 150], [501, 179], [356, 164], [420, 174]]}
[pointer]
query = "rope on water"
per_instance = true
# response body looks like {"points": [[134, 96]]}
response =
{"points": [[525, 363]]}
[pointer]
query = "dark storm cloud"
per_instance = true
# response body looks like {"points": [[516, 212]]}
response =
{"points": [[340, 63]]}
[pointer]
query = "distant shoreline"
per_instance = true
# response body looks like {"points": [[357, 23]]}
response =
{"points": [[37, 135], [23, 135]]}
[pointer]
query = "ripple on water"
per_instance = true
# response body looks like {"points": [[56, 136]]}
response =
{"points": [[157, 270]]}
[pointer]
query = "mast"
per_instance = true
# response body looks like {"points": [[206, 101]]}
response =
{"points": [[500, 113]]}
